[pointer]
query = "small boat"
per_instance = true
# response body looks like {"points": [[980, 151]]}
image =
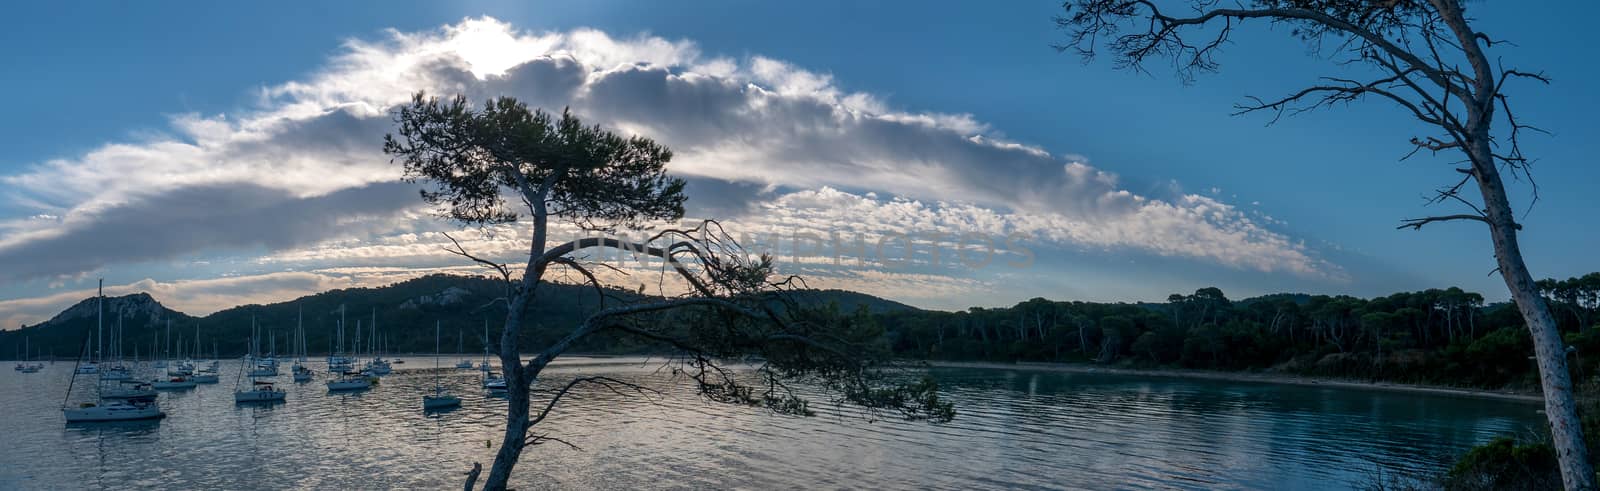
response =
{"points": [[494, 382], [86, 368], [260, 392], [259, 366], [27, 365], [174, 383], [378, 367], [301, 373], [264, 370], [440, 398], [112, 410], [461, 362], [129, 389], [207, 376], [350, 381]]}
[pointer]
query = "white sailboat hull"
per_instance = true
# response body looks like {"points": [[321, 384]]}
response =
{"points": [[173, 384], [114, 411], [259, 396], [355, 384]]}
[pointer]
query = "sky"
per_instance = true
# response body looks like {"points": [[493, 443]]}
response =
{"points": [[219, 154]]}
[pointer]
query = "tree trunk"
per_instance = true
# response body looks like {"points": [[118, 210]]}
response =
{"points": [[516, 431], [517, 381], [1577, 471]]}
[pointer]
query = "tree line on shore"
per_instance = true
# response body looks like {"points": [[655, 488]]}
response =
{"points": [[1436, 336]]}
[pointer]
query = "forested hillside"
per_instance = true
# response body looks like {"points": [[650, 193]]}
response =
{"points": [[404, 313], [1435, 336]]}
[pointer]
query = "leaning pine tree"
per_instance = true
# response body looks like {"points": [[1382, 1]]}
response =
{"points": [[505, 163], [1424, 57]]}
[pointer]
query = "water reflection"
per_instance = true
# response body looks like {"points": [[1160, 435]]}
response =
{"points": [[1015, 429]]}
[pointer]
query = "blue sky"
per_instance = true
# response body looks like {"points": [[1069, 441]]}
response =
{"points": [[138, 76]]}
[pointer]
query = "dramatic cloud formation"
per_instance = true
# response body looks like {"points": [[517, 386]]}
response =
{"points": [[765, 143]]}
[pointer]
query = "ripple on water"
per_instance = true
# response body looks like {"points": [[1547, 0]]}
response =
{"points": [[1015, 429]]}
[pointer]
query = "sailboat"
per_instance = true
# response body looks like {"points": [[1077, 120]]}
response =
{"points": [[113, 410], [107, 409], [174, 382], [492, 381], [161, 362], [337, 361], [349, 380], [440, 398], [260, 390], [207, 375], [181, 368], [89, 367], [462, 362], [261, 367], [116, 370], [376, 366], [93, 366], [300, 371], [27, 365]]}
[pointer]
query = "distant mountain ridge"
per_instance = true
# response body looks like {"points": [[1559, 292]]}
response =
{"points": [[405, 313]]}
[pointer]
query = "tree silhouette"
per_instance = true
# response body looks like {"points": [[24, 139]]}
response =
{"points": [[505, 163]]}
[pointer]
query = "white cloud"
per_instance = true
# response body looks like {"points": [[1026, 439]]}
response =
{"points": [[755, 120]]}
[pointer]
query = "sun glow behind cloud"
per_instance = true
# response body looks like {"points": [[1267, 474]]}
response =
{"points": [[790, 147]]}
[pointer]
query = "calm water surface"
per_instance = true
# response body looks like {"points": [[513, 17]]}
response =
{"points": [[1015, 429]]}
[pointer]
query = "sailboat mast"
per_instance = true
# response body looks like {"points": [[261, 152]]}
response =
{"points": [[100, 317]]}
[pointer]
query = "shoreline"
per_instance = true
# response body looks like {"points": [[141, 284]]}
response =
{"points": [[1267, 378]]}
